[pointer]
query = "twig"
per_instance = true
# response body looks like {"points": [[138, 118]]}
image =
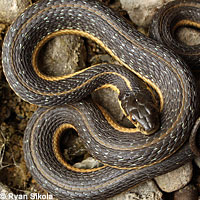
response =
{"points": [[2, 152]]}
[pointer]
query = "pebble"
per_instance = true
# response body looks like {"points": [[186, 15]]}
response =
{"points": [[197, 161], [88, 163], [9, 10], [144, 191], [189, 36], [3, 28], [187, 193], [176, 179], [5, 192], [141, 12]]}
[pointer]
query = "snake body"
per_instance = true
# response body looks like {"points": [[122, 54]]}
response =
{"points": [[176, 14], [67, 182], [129, 157]]}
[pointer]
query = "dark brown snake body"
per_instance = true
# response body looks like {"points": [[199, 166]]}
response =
{"points": [[169, 18], [129, 156]]}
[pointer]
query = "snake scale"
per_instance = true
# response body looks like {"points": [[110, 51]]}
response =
{"points": [[130, 155]]}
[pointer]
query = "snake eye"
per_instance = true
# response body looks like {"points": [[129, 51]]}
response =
{"points": [[133, 118], [127, 94], [124, 96]]}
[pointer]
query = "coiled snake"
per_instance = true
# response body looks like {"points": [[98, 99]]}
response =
{"points": [[157, 145]]}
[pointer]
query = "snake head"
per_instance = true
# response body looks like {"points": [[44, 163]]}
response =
{"points": [[141, 111]]}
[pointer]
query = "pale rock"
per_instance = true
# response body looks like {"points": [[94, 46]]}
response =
{"points": [[189, 36], [62, 55], [5, 192], [141, 12], [144, 191], [197, 161], [88, 163], [176, 179], [10, 9]]}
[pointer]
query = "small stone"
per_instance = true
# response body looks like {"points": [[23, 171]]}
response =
{"points": [[144, 191], [197, 161], [3, 28], [176, 179], [189, 36], [88, 163], [187, 193], [5, 192], [9, 10], [4, 126], [141, 12]]}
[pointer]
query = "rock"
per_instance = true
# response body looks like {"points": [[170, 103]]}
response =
{"points": [[141, 12], [9, 10], [144, 191], [3, 28], [189, 36], [108, 99], [176, 179], [5, 192], [62, 55], [88, 163], [197, 161], [188, 192]]}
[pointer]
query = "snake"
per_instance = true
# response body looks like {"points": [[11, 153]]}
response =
{"points": [[148, 70], [166, 22]]}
